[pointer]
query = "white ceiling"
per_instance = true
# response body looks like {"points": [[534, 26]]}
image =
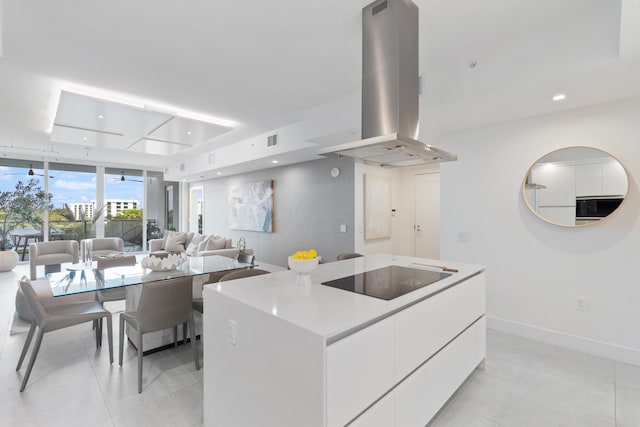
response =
{"points": [[263, 64], [107, 125]]}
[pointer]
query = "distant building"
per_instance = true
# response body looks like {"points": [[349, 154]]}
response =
{"points": [[113, 208], [79, 208], [116, 206]]}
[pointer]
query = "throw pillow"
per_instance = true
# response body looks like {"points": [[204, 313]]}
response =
{"points": [[175, 242], [190, 236], [203, 242], [165, 234], [192, 250], [214, 244], [192, 247], [227, 244]]}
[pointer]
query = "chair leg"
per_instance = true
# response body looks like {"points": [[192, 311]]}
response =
{"points": [[175, 336], [109, 336], [184, 333], [34, 354], [139, 361], [121, 339], [194, 346], [98, 327], [27, 342]]}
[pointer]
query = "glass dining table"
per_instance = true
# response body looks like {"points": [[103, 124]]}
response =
{"points": [[80, 278]]}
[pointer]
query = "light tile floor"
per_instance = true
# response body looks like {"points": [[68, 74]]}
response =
{"points": [[526, 384]]}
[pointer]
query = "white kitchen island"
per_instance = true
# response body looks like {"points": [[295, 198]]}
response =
{"points": [[277, 354]]}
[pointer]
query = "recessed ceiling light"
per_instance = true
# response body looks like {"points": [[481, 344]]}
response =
{"points": [[100, 116], [274, 161], [188, 132], [84, 138], [219, 173], [559, 97]]}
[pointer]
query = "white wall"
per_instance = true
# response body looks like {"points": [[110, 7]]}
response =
{"points": [[535, 270], [309, 207]]}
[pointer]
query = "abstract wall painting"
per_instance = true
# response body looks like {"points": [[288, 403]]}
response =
{"points": [[251, 206], [377, 207]]}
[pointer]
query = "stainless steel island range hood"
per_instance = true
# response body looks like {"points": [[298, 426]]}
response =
{"points": [[390, 90]]}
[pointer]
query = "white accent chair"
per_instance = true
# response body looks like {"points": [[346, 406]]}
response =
{"points": [[52, 254], [101, 247]]}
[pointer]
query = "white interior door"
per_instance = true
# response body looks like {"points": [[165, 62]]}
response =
{"points": [[427, 215]]}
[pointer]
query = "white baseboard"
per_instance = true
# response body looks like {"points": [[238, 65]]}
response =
{"points": [[562, 339]]}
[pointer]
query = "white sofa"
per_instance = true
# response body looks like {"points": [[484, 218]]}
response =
{"points": [[193, 244]]}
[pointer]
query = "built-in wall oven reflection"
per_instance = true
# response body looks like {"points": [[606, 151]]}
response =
{"points": [[595, 208]]}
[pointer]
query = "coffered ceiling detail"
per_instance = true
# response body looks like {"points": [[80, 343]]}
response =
{"points": [[98, 123]]}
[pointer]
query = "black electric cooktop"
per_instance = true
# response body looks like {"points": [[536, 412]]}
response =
{"points": [[387, 283]]}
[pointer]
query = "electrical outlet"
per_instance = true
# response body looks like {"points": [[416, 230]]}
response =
{"points": [[233, 331], [581, 304]]}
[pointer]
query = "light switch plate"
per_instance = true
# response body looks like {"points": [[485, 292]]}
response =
{"points": [[343, 228], [233, 331]]}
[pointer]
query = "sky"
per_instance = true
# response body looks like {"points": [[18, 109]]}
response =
{"points": [[74, 187]]}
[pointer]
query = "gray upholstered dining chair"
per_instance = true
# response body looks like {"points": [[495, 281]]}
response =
{"points": [[246, 258], [198, 303], [239, 274], [163, 304], [56, 317], [348, 255], [115, 294]]}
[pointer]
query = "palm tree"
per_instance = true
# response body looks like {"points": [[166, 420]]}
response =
{"points": [[69, 215]]}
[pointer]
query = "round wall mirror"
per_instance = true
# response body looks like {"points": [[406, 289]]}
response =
{"points": [[575, 186]]}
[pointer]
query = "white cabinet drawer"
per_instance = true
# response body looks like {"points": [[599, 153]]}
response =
{"points": [[359, 371], [420, 397], [379, 415], [423, 329]]}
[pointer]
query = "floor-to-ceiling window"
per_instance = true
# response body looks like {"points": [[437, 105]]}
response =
{"points": [[123, 204], [86, 202], [21, 214], [155, 205], [75, 210]]}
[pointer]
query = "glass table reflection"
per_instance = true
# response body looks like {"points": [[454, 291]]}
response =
{"points": [[80, 279]]}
